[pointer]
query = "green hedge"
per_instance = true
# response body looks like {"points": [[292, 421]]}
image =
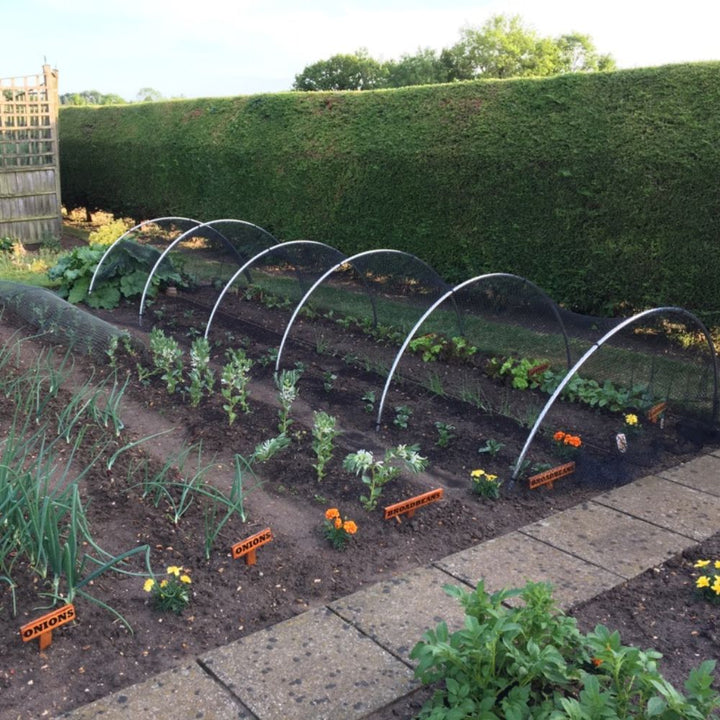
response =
{"points": [[601, 188]]}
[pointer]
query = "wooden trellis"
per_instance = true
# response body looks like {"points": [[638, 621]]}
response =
{"points": [[29, 159]]}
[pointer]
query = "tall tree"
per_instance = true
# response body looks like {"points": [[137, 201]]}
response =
{"points": [[343, 72], [423, 68], [503, 47]]}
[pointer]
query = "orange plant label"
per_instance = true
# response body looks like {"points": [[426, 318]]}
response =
{"points": [[656, 411], [42, 627], [408, 507], [549, 476], [246, 548], [538, 369]]}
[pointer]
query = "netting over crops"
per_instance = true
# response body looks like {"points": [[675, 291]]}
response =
{"points": [[45, 314]]}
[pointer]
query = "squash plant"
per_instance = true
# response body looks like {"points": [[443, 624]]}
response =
{"points": [[123, 274]]}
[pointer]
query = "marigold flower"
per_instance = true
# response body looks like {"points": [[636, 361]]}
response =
{"points": [[558, 436], [349, 527], [717, 565], [716, 585], [631, 419], [572, 440], [186, 579], [477, 473], [149, 585], [703, 581], [173, 570], [163, 583], [338, 523], [701, 563], [490, 478], [332, 513]]}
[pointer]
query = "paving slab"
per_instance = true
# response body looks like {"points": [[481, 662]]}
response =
{"points": [[701, 473], [512, 560], [185, 691], [669, 504], [314, 665], [395, 613], [613, 540]]}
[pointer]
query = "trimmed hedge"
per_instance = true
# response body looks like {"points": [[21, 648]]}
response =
{"points": [[604, 189]]}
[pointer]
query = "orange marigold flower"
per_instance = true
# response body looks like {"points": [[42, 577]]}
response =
{"points": [[558, 436], [338, 523], [573, 441], [349, 527], [332, 513]]}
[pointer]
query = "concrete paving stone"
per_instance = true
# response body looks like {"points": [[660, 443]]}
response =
{"points": [[671, 505], [395, 613], [512, 560], [314, 665], [701, 473], [608, 538], [185, 691]]}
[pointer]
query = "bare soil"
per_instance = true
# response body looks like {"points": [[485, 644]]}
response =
{"points": [[299, 570]]}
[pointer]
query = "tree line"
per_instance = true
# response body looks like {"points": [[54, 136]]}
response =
{"points": [[502, 48]]}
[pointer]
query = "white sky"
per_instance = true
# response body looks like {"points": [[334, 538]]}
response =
{"points": [[239, 47]]}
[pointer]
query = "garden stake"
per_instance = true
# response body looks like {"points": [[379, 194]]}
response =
{"points": [[247, 548], [656, 411], [42, 627], [408, 507], [549, 476]]}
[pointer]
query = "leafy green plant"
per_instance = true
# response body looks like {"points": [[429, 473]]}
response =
{"points": [[324, 432], [234, 381], [491, 447], [402, 416], [376, 473], [329, 379], [529, 660], [445, 433], [200, 374], [369, 401], [123, 274], [167, 358], [286, 383], [430, 346]]}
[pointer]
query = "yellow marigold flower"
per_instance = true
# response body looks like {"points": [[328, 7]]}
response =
{"points": [[349, 527], [631, 419], [186, 579], [701, 563], [149, 585], [490, 478], [332, 513], [477, 473], [163, 583], [717, 565], [703, 581], [716, 585], [338, 523], [173, 570], [558, 436]]}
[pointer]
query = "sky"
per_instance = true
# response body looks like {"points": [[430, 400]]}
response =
{"points": [[243, 47]]}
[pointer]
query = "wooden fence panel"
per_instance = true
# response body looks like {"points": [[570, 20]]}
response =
{"points": [[29, 159]]}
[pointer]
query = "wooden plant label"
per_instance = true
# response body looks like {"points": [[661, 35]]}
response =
{"points": [[408, 507], [550, 476], [42, 627], [538, 369], [656, 411], [246, 548]]}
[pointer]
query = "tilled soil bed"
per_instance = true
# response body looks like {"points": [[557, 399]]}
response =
{"points": [[299, 570]]}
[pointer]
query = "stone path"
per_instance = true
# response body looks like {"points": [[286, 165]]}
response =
{"points": [[351, 658]]}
